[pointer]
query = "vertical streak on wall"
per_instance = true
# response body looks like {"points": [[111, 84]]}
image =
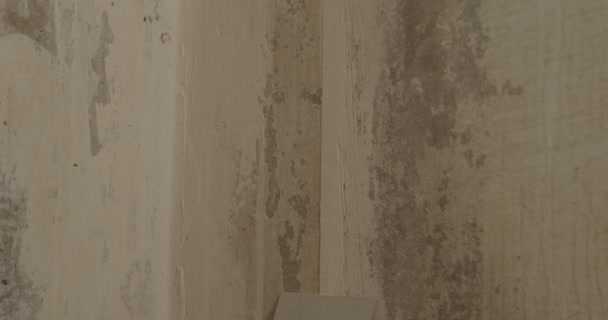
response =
{"points": [[292, 109], [250, 95], [483, 134]]}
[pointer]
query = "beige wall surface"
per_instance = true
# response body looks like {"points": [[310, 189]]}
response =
{"points": [[249, 153], [463, 167], [87, 96], [192, 159]]}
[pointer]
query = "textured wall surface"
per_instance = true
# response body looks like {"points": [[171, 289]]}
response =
{"points": [[86, 124], [463, 158], [192, 159], [250, 98]]}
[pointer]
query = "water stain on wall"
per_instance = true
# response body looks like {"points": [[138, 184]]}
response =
{"points": [[32, 18], [428, 266], [101, 96], [20, 298]]}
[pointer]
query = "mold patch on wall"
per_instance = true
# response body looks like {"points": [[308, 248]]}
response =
{"points": [[32, 18], [20, 298], [427, 261], [101, 96], [291, 102]]}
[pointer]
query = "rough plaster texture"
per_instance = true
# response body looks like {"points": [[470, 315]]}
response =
{"points": [[193, 159], [462, 167]]}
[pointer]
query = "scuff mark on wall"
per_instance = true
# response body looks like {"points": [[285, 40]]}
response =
{"points": [[32, 18], [20, 298], [428, 265], [101, 96]]}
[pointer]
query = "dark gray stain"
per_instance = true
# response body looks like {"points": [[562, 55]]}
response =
{"points": [[313, 97], [165, 37], [20, 298], [136, 292], [274, 193], [290, 258], [32, 18], [300, 204], [291, 102], [430, 67], [508, 89], [474, 161], [101, 96]]}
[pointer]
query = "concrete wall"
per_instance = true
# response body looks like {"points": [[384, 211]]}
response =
{"points": [[193, 159]]}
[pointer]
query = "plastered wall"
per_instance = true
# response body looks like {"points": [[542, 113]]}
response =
{"points": [[87, 108], [463, 158], [193, 159], [250, 109]]}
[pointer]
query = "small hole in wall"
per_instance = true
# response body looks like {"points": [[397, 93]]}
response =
{"points": [[5, 123], [75, 165], [4, 282]]}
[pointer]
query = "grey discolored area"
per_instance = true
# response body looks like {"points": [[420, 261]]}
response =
{"points": [[427, 264], [101, 96], [20, 298], [291, 104], [32, 18]]}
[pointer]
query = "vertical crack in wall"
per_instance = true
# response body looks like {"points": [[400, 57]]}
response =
{"points": [[428, 264], [101, 96], [20, 298]]}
